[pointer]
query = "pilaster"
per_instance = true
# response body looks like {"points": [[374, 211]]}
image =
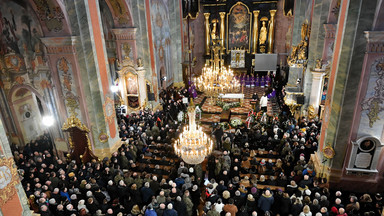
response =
{"points": [[329, 39], [142, 86], [317, 81]]}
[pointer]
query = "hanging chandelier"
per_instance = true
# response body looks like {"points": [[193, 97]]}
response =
{"points": [[215, 78], [193, 144]]}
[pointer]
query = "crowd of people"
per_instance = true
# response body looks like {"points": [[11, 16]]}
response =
{"points": [[261, 170]]}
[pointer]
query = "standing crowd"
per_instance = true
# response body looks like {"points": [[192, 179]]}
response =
{"points": [[263, 169]]}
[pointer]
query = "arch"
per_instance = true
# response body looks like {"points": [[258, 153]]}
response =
{"points": [[58, 23], [13, 90], [121, 13], [30, 88]]}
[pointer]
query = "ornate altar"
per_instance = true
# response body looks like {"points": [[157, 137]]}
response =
{"points": [[80, 145], [247, 26], [131, 90]]}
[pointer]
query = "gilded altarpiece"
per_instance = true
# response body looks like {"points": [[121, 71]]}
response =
{"points": [[129, 85], [240, 25]]}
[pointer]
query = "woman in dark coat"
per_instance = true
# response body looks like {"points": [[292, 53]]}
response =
{"points": [[297, 207], [285, 205]]}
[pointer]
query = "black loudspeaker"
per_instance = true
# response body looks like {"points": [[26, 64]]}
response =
{"points": [[300, 99], [151, 96]]}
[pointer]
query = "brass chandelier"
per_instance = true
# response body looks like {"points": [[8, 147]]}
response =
{"points": [[193, 144], [215, 78]]}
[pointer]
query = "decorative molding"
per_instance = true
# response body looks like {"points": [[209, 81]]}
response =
{"points": [[330, 30], [109, 110], [103, 137], [375, 41], [358, 150]]}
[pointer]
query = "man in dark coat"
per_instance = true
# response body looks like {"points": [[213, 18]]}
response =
{"points": [[170, 211], [266, 201], [146, 193], [180, 206]]}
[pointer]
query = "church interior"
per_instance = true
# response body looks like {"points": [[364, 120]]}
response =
{"points": [[191, 107]]}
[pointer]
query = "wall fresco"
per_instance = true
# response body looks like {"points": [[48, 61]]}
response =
{"points": [[161, 41], [50, 13], [65, 72], [372, 114], [19, 33]]}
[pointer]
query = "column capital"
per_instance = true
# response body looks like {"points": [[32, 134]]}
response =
{"points": [[206, 15], [60, 45], [256, 12], [318, 74], [272, 12], [222, 14], [375, 41], [125, 33]]}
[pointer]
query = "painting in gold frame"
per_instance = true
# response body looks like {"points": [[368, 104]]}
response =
{"points": [[239, 20], [132, 85]]}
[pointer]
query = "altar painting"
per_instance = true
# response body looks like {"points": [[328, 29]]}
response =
{"points": [[132, 90], [239, 27], [131, 82]]}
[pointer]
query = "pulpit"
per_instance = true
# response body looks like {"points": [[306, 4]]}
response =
{"points": [[80, 145]]}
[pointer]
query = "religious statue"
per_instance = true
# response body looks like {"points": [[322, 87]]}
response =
{"points": [[237, 58], [139, 62], [304, 31], [213, 31], [118, 64], [263, 34], [319, 65], [198, 112], [311, 112], [302, 54]]}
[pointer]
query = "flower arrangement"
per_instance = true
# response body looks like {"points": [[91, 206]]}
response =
{"points": [[224, 125], [236, 122], [226, 106]]}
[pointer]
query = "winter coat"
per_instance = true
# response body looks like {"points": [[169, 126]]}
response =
{"points": [[265, 202]]}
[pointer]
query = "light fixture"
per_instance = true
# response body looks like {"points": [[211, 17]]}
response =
{"points": [[48, 121], [215, 78], [193, 144], [114, 88]]}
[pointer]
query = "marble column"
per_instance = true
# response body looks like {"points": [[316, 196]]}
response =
{"points": [[317, 81], [57, 49], [94, 74], [207, 30], [271, 33], [255, 34], [142, 86]]}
